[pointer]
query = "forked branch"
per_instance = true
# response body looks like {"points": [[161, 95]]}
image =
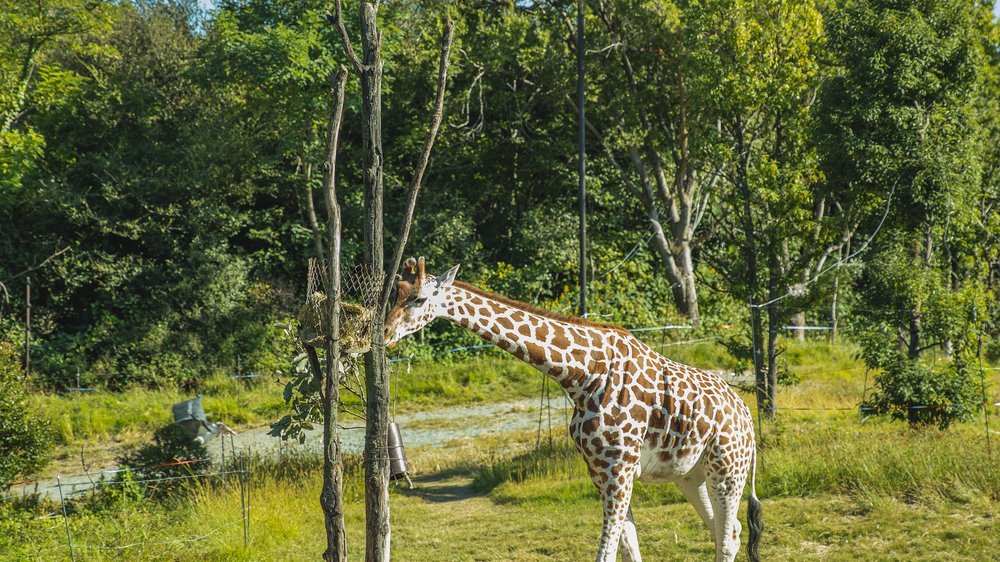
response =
{"points": [[337, 20], [418, 173]]}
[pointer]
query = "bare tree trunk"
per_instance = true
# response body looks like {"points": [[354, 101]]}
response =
{"points": [[331, 498], [845, 250], [750, 248], [377, 536], [798, 320], [773, 325]]}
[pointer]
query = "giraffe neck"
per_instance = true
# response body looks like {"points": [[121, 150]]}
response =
{"points": [[575, 356]]}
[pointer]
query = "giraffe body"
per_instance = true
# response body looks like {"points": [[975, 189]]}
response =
{"points": [[636, 414]]}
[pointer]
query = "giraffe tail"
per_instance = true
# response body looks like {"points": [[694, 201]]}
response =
{"points": [[754, 515]]}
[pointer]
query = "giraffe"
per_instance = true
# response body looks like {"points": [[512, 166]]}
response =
{"points": [[636, 414]]}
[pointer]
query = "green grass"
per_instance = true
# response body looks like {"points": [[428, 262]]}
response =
{"points": [[420, 385], [541, 511]]}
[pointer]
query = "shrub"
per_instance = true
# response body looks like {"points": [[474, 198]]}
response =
{"points": [[171, 444], [922, 395], [24, 434]]}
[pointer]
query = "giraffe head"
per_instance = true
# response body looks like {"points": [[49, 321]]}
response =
{"points": [[419, 299]]}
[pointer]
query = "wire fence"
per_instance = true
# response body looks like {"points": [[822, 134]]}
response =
{"points": [[238, 474]]}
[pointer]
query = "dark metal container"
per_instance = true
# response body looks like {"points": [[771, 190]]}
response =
{"points": [[397, 457]]}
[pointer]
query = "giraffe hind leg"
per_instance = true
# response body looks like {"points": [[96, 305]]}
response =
{"points": [[695, 490], [725, 496]]}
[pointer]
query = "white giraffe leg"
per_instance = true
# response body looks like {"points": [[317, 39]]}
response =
{"points": [[630, 540], [725, 496], [696, 491]]}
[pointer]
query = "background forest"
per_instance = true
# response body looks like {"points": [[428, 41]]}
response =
{"points": [[770, 163]]}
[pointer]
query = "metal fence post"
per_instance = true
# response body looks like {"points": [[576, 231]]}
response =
{"points": [[69, 535]]}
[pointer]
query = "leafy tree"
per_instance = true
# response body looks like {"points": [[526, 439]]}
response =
{"points": [[33, 35], [903, 125], [761, 68]]}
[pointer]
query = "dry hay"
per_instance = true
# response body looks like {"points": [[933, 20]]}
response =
{"points": [[359, 291], [355, 324]]}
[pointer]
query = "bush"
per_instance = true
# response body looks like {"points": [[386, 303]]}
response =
{"points": [[24, 434], [171, 444], [922, 395]]}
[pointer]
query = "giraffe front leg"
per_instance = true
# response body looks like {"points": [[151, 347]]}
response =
{"points": [[630, 539], [615, 484]]}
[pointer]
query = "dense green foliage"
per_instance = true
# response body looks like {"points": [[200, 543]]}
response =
{"points": [[904, 113], [24, 434], [162, 156]]}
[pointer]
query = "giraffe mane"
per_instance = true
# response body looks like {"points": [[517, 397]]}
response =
{"points": [[539, 311]]}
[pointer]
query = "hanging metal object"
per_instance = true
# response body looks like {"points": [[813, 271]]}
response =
{"points": [[397, 457]]}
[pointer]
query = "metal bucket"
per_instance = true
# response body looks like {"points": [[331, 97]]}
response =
{"points": [[397, 458]]}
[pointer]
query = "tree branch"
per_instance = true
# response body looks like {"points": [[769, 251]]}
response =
{"points": [[317, 233], [336, 19], [418, 175], [333, 136], [38, 265]]}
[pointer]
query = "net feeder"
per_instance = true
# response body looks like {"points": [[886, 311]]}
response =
{"points": [[397, 457]]}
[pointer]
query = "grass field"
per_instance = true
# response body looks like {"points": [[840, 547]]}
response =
{"points": [[833, 488]]}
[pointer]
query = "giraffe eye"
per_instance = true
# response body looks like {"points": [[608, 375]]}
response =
{"points": [[419, 301]]}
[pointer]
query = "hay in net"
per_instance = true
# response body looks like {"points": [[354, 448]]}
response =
{"points": [[359, 296]]}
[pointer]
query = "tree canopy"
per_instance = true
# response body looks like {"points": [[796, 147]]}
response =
{"points": [[767, 163]]}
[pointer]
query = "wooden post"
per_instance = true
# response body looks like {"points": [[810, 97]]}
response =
{"points": [[27, 329], [582, 156]]}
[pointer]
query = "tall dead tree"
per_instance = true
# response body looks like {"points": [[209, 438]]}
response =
{"points": [[331, 498], [326, 379], [368, 67]]}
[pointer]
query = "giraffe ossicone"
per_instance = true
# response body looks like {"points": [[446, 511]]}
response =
{"points": [[636, 414]]}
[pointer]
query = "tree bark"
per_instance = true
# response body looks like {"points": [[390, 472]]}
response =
{"points": [[377, 535], [332, 497], [773, 325]]}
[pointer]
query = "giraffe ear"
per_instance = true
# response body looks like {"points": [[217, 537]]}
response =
{"points": [[447, 278]]}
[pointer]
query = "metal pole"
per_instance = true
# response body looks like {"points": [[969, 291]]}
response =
{"points": [[241, 479], [249, 485], [582, 156], [27, 330], [69, 536]]}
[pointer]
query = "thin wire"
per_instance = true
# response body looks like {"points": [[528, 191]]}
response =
{"points": [[628, 256]]}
